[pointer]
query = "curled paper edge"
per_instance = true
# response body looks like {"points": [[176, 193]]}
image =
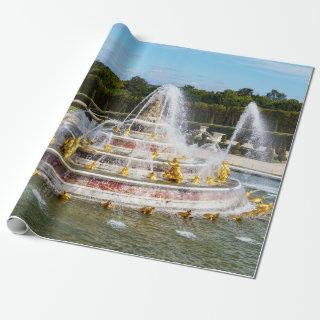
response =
{"points": [[17, 225]]}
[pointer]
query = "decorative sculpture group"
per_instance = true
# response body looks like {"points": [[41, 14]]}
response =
{"points": [[70, 146], [173, 175]]}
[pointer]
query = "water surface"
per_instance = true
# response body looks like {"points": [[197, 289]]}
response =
{"points": [[223, 245]]}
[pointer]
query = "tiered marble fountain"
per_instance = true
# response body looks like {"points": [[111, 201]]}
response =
{"points": [[142, 162]]}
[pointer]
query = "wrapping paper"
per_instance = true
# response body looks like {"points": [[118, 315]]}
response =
{"points": [[168, 153]]}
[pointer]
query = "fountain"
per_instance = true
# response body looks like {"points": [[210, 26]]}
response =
{"points": [[145, 162], [249, 119]]}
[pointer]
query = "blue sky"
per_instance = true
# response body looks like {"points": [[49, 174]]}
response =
{"points": [[160, 64]]}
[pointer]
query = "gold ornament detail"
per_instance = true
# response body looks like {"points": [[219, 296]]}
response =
{"points": [[69, 147], [124, 171], [154, 154], [211, 216], [210, 181], [152, 176], [185, 214], [127, 132], [196, 180], [174, 174], [90, 166], [147, 210], [116, 129], [107, 147], [224, 172], [65, 196], [236, 217], [107, 205]]}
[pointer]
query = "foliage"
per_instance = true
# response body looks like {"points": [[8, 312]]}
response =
{"points": [[275, 95]]}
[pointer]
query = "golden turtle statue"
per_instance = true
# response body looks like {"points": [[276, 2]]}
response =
{"points": [[211, 216], [107, 205], [65, 196], [147, 210], [185, 214], [236, 217]]}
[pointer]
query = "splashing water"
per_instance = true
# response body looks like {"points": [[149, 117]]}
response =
{"points": [[247, 239], [163, 110], [186, 234], [41, 202], [249, 119], [170, 101], [116, 224]]}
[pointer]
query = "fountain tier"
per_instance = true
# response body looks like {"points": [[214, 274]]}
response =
{"points": [[131, 192], [142, 161]]}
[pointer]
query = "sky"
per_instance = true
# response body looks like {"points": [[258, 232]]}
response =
{"points": [[161, 64]]}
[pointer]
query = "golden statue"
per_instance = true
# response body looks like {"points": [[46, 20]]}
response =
{"points": [[210, 181], [235, 217], [116, 129], [70, 146], [224, 172], [86, 142], [264, 208], [256, 200], [107, 205], [90, 166], [261, 209], [35, 172], [127, 132], [174, 174], [211, 216], [185, 214], [107, 147], [196, 180], [154, 154], [65, 196], [249, 193], [152, 176], [124, 171], [147, 210], [153, 136]]}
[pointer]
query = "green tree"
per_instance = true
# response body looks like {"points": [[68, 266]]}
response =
{"points": [[275, 95], [139, 87], [245, 92]]}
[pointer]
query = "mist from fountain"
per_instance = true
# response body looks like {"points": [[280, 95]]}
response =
{"points": [[170, 101], [249, 119]]}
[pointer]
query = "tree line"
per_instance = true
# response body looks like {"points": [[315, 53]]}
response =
{"points": [[216, 109]]}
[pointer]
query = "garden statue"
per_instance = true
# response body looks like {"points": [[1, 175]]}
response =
{"points": [[174, 174]]}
